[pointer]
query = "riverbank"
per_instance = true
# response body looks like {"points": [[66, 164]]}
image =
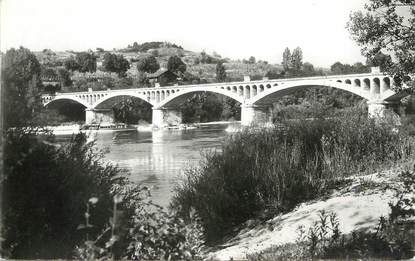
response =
{"points": [[65, 129], [358, 206], [218, 122], [88, 129], [69, 129]]}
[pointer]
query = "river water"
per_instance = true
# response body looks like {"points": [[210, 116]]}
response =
{"points": [[157, 159]]}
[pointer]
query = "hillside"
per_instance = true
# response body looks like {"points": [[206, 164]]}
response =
{"points": [[200, 65]]}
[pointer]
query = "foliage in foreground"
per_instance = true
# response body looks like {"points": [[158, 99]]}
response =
{"points": [[388, 27], [275, 169], [393, 237], [45, 191], [150, 233], [57, 196], [22, 87]]}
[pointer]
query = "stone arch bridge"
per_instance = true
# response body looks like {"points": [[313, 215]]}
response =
{"points": [[256, 97]]}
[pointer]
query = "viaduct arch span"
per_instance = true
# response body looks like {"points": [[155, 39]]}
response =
{"points": [[256, 97]]}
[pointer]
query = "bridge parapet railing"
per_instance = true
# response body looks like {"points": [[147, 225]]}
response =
{"points": [[239, 83]]}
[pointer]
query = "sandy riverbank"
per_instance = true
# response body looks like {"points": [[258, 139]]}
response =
{"points": [[357, 207]]}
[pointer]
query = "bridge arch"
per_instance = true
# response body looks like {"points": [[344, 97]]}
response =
{"points": [[67, 97], [121, 94], [175, 97], [269, 95]]}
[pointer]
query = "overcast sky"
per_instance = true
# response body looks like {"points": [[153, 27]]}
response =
{"points": [[233, 28]]}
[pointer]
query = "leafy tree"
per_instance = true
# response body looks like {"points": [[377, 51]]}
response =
{"points": [[380, 60], [337, 68], [196, 61], [141, 79], [201, 107], [71, 64], [135, 47], [144, 47], [175, 64], [46, 190], [308, 69], [64, 77], [297, 59], [211, 108], [148, 64], [115, 63], [209, 59], [340, 68], [86, 61], [154, 52], [82, 62], [273, 74], [51, 88], [22, 87], [220, 72], [286, 59], [231, 109], [203, 57], [387, 27], [360, 68], [347, 69], [131, 111], [48, 58]]}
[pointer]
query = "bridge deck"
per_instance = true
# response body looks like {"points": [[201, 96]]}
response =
{"points": [[238, 83]]}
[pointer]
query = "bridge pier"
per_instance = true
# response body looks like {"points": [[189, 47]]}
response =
{"points": [[99, 116], [163, 117], [255, 114], [383, 111]]}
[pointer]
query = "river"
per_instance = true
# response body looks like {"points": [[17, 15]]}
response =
{"points": [[157, 159]]}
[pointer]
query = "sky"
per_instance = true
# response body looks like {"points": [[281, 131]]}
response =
{"points": [[233, 28]]}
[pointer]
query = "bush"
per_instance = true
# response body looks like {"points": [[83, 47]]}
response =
{"points": [[57, 196], [201, 107], [275, 169], [46, 187], [132, 110], [150, 233]]}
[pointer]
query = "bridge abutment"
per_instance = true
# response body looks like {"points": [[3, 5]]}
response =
{"points": [[383, 111], [255, 114], [163, 117], [99, 116]]}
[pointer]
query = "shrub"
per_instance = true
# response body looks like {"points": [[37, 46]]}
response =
{"points": [[151, 233], [57, 196], [46, 187], [358, 144], [392, 238], [274, 169]]}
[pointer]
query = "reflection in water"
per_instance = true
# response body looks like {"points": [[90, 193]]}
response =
{"points": [[157, 159]]}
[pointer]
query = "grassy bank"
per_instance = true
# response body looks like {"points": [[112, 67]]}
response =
{"points": [[269, 171]]}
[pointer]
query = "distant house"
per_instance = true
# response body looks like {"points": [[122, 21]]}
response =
{"points": [[51, 83], [163, 78]]}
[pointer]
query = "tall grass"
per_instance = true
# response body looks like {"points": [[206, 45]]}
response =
{"points": [[274, 169]]}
